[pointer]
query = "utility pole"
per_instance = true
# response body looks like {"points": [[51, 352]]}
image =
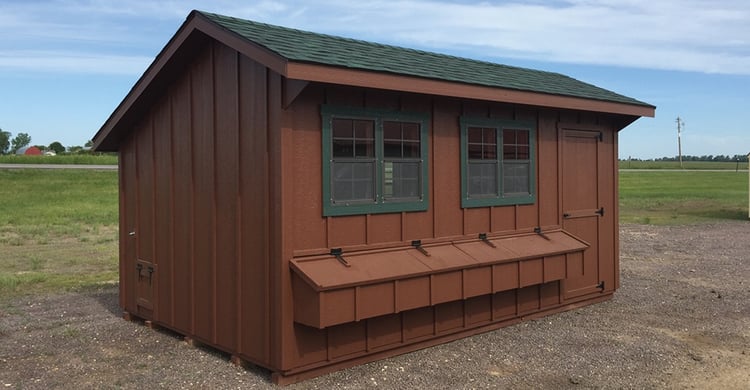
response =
{"points": [[680, 125]]}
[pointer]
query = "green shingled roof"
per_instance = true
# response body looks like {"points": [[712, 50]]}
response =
{"points": [[308, 47]]}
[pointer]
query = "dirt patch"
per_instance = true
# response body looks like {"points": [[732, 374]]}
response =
{"points": [[681, 319]]}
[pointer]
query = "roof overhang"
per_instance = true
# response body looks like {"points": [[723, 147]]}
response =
{"points": [[197, 30]]}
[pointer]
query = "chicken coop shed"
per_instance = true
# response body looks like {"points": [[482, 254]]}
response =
{"points": [[306, 202]]}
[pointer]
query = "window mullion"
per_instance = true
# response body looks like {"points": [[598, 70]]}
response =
{"points": [[500, 160], [379, 160]]}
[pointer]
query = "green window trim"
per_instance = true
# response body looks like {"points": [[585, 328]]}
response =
{"points": [[381, 203], [499, 198]]}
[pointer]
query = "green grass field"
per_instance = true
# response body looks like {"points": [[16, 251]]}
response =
{"points": [[58, 228], [730, 166], [679, 197], [83, 159]]}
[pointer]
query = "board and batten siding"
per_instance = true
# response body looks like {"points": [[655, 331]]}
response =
{"points": [[315, 233], [195, 190], [308, 232]]}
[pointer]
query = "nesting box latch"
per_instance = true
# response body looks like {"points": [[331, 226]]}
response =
{"points": [[538, 230], [337, 253], [417, 244], [483, 237]]}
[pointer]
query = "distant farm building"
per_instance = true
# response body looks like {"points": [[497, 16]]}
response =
{"points": [[29, 151], [308, 202]]}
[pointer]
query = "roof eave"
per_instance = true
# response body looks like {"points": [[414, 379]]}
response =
{"points": [[395, 82]]}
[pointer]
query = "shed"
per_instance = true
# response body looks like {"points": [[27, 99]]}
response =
{"points": [[306, 202], [29, 151]]}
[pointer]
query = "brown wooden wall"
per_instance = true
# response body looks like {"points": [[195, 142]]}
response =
{"points": [[307, 231], [313, 233], [195, 190]]}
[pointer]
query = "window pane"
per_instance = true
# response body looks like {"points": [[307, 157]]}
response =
{"points": [[402, 179], [364, 129], [509, 152], [482, 179], [411, 131], [475, 151], [489, 136], [352, 181], [392, 148], [364, 148], [392, 130], [522, 152], [343, 148], [475, 135], [516, 178], [516, 144], [490, 152], [342, 128], [412, 149]]}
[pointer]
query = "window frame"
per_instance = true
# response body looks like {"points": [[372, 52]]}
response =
{"points": [[500, 199], [381, 203]]}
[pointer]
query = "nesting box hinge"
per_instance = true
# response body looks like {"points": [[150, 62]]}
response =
{"points": [[417, 244], [337, 252], [538, 230], [483, 237]]}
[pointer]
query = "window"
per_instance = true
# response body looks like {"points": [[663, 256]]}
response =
{"points": [[497, 162], [373, 161]]}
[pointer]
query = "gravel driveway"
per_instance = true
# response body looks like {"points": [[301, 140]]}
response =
{"points": [[680, 320]]}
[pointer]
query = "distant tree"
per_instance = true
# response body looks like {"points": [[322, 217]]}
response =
{"points": [[75, 149], [21, 140], [57, 147], [4, 141], [89, 143], [41, 148]]}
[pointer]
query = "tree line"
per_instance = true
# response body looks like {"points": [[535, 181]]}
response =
{"points": [[10, 144], [710, 157]]}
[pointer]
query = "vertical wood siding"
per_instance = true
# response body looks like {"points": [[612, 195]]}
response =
{"points": [[444, 217], [194, 180]]}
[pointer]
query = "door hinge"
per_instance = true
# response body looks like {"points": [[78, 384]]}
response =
{"points": [[601, 137], [600, 286], [600, 211]]}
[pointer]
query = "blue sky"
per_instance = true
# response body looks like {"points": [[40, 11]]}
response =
{"points": [[66, 64]]}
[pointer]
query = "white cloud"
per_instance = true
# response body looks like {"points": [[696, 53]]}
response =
{"points": [[689, 35], [57, 61]]}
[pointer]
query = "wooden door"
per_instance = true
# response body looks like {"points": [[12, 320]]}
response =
{"points": [[582, 210]]}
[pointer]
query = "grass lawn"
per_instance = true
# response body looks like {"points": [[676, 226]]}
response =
{"points": [[58, 229], [678, 197], [83, 159], [730, 166]]}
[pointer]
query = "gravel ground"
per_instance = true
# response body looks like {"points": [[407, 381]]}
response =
{"points": [[680, 320]]}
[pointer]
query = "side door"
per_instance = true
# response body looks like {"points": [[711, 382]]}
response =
{"points": [[582, 209]]}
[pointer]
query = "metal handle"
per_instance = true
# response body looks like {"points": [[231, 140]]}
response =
{"points": [[132, 234]]}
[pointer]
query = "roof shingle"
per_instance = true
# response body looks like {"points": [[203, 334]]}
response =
{"points": [[308, 47]]}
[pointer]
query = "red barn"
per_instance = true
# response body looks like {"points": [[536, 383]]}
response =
{"points": [[29, 151], [307, 202]]}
